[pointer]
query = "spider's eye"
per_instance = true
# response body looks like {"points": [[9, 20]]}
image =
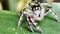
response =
{"points": [[37, 7]]}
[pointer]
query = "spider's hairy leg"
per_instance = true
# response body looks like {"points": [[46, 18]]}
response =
{"points": [[29, 24], [36, 25], [46, 11], [54, 14], [19, 19]]}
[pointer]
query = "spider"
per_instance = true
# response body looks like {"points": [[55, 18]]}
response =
{"points": [[36, 12]]}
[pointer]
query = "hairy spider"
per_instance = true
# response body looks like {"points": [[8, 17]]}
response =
{"points": [[36, 12]]}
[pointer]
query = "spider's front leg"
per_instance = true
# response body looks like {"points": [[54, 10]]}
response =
{"points": [[36, 25], [54, 14], [19, 19], [29, 24]]}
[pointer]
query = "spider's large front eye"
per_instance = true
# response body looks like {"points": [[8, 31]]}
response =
{"points": [[37, 8]]}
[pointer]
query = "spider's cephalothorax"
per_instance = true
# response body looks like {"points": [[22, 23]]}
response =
{"points": [[35, 13]]}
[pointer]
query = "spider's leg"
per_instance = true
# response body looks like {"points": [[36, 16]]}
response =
{"points": [[29, 24], [54, 14], [19, 19], [46, 11], [36, 25]]}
